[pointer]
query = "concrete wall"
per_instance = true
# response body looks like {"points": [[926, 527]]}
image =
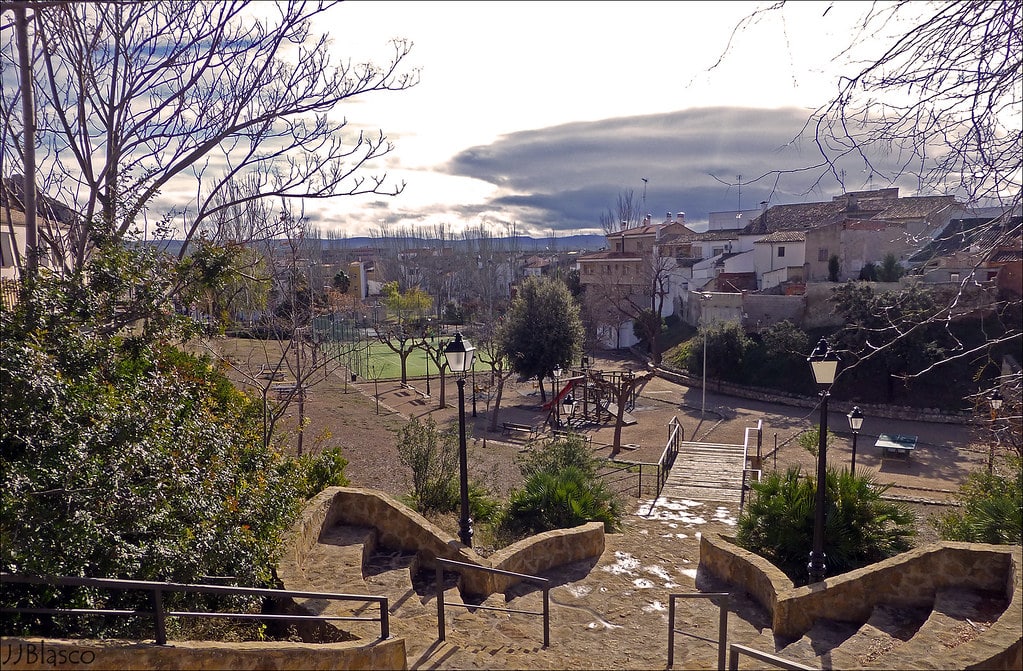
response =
{"points": [[20, 653], [910, 579]]}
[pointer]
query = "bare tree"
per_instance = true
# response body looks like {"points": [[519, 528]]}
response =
{"points": [[135, 98], [623, 216]]}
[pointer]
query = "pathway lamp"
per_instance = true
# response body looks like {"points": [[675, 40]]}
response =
{"points": [[824, 364], [855, 423], [569, 404], [554, 394], [459, 354], [996, 401]]}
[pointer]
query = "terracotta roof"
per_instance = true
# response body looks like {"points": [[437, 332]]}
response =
{"points": [[804, 216]]}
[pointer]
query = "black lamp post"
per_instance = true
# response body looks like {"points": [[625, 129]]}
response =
{"points": [[824, 363], [855, 423], [996, 404], [459, 354], [556, 373]]}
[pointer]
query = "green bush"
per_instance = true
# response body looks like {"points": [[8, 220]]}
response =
{"points": [[326, 469], [560, 500], [861, 528], [561, 490], [991, 508]]}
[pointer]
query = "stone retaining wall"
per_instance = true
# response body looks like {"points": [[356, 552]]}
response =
{"points": [[911, 578], [401, 528], [19, 653]]}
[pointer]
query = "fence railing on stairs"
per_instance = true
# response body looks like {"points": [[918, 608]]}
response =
{"points": [[159, 614], [544, 584], [616, 471], [721, 640]]}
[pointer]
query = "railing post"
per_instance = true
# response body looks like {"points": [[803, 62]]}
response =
{"points": [[671, 630], [546, 615], [385, 622], [440, 603], [723, 632], [639, 494], [159, 619]]}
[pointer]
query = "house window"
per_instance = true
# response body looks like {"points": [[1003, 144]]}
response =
{"points": [[953, 277], [717, 251], [6, 251], [697, 252], [822, 254], [781, 252]]}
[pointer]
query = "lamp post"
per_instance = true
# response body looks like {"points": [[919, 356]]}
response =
{"points": [[703, 401], [459, 354], [557, 389], [824, 364], [855, 423], [996, 404]]}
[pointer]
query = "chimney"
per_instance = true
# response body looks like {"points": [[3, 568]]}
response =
{"points": [[681, 217]]}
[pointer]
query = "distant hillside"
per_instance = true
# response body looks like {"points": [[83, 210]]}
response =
{"points": [[522, 243]]}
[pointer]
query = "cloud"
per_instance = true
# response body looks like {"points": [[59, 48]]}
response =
{"points": [[563, 177]]}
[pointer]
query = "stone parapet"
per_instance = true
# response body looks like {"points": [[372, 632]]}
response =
{"points": [[399, 527], [24, 654], [909, 579]]}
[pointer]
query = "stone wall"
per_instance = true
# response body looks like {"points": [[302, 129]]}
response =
{"points": [[19, 653], [911, 578], [401, 528]]}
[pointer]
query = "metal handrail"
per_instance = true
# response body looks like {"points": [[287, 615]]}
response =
{"points": [[159, 615], [543, 582], [735, 650], [742, 494], [722, 624]]}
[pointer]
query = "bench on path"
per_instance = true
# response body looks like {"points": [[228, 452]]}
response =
{"points": [[411, 388], [511, 427], [565, 433]]}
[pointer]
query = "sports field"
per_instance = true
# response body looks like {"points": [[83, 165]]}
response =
{"points": [[380, 362]]}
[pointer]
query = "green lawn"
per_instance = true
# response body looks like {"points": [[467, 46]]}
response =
{"points": [[380, 362]]}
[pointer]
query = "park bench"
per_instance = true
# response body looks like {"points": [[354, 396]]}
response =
{"points": [[565, 433], [512, 427], [413, 389], [283, 391]]}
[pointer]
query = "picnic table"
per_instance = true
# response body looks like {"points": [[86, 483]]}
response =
{"points": [[896, 445]]}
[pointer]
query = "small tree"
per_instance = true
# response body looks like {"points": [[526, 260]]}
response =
{"points": [[432, 456], [890, 270], [542, 330]]}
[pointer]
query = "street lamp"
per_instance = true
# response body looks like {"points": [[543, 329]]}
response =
{"points": [[824, 364], [459, 354], [855, 423], [554, 394], [996, 404], [703, 401]]}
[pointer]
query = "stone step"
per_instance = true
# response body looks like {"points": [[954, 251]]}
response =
{"points": [[817, 646], [959, 615], [878, 641]]}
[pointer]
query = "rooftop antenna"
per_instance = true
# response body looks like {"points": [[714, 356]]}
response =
{"points": [[738, 179], [644, 192]]}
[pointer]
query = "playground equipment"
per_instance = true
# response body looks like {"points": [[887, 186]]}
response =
{"points": [[583, 399]]}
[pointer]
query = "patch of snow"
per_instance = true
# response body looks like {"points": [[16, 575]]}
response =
{"points": [[642, 583], [689, 573], [654, 607]]}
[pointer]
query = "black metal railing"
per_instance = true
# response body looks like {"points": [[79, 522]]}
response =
{"points": [[159, 614], [616, 471], [722, 624], [774, 660], [544, 584]]}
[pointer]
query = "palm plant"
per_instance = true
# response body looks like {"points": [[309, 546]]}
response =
{"points": [[861, 527], [561, 499]]}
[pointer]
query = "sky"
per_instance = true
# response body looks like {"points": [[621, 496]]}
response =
{"points": [[538, 116]]}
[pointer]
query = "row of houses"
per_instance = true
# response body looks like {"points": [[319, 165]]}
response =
{"points": [[755, 266]]}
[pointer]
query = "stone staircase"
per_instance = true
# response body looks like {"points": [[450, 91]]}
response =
{"points": [[706, 472], [348, 559], [893, 635]]}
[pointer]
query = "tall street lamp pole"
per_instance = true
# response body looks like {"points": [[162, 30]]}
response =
{"points": [[703, 401], [459, 354], [824, 364], [855, 423], [996, 404]]}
